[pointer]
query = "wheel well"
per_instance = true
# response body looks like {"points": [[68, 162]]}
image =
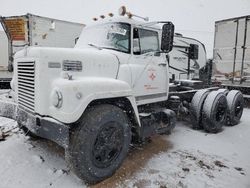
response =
{"points": [[126, 106]]}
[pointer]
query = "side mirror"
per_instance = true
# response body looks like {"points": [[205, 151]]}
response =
{"points": [[167, 37]]}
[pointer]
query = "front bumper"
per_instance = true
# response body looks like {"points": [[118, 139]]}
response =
{"points": [[44, 127]]}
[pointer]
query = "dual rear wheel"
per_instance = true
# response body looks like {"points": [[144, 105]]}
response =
{"points": [[212, 110]]}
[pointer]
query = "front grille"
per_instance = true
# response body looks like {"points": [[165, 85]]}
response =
{"points": [[26, 85]]}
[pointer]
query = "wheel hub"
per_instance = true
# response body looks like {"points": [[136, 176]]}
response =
{"points": [[108, 145], [220, 113]]}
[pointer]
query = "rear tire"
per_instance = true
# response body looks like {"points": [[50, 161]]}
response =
{"points": [[196, 108], [100, 143], [235, 102], [214, 112], [223, 90]]}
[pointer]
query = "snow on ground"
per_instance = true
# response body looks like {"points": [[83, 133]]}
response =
{"points": [[186, 158], [198, 159]]}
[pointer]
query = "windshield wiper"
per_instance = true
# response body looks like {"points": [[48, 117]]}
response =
{"points": [[98, 47], [119, 50]]}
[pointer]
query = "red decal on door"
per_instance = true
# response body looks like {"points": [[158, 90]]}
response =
{"points": [[152, 76]]}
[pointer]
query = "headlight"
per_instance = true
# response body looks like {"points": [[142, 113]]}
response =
{"points": [[56, 98]]}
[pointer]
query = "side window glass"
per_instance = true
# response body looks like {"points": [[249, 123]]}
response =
{"points": [[148, 41], [145, 41]]}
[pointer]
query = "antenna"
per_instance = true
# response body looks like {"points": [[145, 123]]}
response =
{"points": [[122, 11]]}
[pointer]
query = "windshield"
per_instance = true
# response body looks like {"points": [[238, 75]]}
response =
{"points": [[114, 36]]}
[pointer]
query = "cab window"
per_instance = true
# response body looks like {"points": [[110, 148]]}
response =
{"points": [[145, 41]]}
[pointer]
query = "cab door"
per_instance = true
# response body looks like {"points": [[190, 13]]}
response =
{"points": [[149, 67]]}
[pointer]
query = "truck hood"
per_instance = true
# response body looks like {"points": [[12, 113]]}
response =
{"points": [[95, 62], [48, 67]]}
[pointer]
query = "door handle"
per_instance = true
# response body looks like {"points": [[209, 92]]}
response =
{"points": [[162, 64]]}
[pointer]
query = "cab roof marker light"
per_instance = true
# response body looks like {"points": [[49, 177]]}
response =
{"points": [[110, 14], [95, 19], [102, 16], [129, 14]]}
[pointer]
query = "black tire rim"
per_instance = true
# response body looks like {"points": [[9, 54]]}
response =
{"points": [[238, 109], [220, 112], [108, 145]]}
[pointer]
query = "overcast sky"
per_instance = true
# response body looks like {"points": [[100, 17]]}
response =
{"points": [[193, 18]]}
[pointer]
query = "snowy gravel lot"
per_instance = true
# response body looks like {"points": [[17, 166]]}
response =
{"points": [[186, 158]]}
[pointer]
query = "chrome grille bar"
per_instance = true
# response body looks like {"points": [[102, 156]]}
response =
{"points": [[26, 85]]}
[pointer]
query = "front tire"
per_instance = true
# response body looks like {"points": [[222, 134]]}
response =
{"points": [[100, 143]]}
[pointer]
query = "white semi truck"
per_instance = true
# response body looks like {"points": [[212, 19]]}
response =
{"points": [[32, 30], [110, 91]]}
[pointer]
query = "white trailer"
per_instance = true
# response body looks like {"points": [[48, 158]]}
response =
{"points": [[231, 55], [33, 30], [5, 75]]}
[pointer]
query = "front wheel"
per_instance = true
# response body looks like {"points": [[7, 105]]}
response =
{"points": [[100, 143]]}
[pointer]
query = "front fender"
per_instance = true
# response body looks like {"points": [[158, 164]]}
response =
{"points": [[78, 94]]}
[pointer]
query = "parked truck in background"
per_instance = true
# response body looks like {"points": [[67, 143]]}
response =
{"points": [[187, 58], [32, 30], [231, 55], [5, 75], [110, 91]]}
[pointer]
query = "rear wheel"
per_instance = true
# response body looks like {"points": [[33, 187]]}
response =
{"points": [[196, 108], [214, 112], [235, 102], [100, 143], [225, 91]]}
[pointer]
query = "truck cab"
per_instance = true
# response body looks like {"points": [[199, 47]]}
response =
{"points": [[139, 61]]}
